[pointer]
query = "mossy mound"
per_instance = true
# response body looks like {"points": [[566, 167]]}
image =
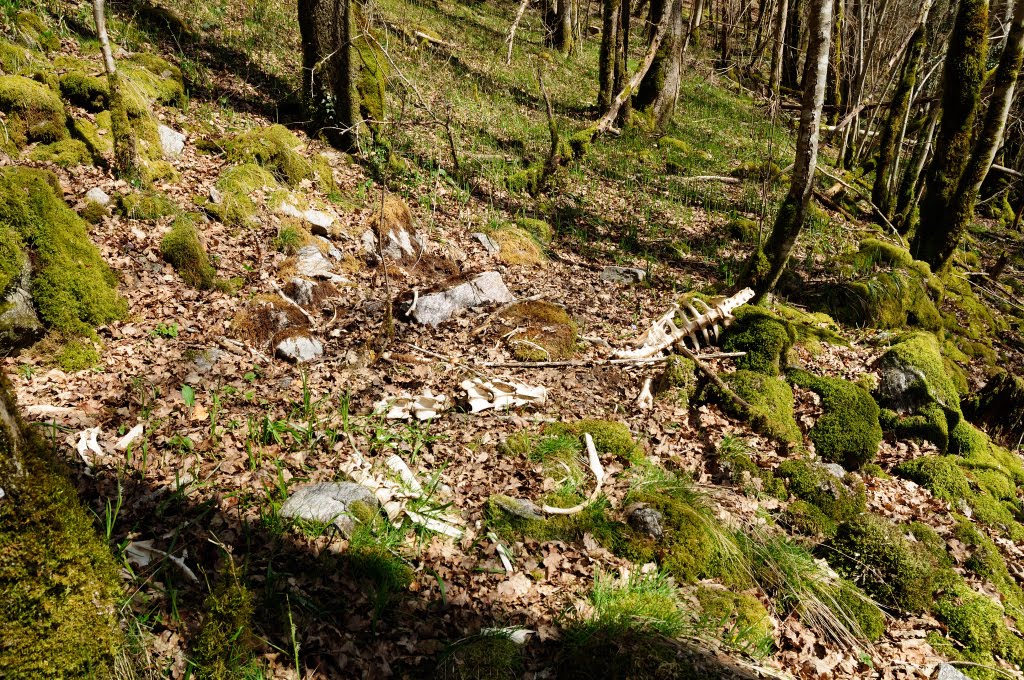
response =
{"points": [[72, 287], [848, 432], [88, 132], [30, 30], [538, 229], [742, 229], [264, 317], [274, 149], [765, 338], [739, 618], [941, 475], [770, 398], [678, 378], [808, 519], [876, 555], [987, 562], [688, 549], [224, 647], [157, 79], [593, 520], [59, 585], [856, 608], [184, 250], [34, 112], [65, 153], [488, 656], [548, 334], [147, 204], [12, 258], [516, 246], [743, 472], [237, 186], [609, 436], [83, 89], [930, 424], [888, 289], [838, 499], [977, 624]]}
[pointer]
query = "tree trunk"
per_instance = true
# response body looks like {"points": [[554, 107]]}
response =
{"points": [[563, 27], [989, 139], [696, 18], [964, 73], [327, 28], [659, 90], [999, 406], [888, 149], [127, 162], [907, 196], [791, 47], [775, 80], [767, 264], [608, 55], [833, 89], [622, 59]]}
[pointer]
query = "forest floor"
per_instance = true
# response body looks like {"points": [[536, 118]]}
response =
{"points": [[229, 429]]}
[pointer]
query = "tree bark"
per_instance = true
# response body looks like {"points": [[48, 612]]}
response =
{"points": [[608, 55], [791, 46], [659, 90], [767, 264], [833, 89], [127, 162], [563, 26], [327, 28], [775, 80], [964, 73], [907, 196], [696, 18]]}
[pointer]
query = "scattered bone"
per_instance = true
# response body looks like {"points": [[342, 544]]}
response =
{"points": [[645, 401], [87, 441], [597, 469], [124, 442], [142, 553], [501, 394], [423, 407]]}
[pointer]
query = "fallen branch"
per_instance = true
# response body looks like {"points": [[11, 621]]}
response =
{"points": [[724, 179], [606, 121], [745, 408], [597, 469]]}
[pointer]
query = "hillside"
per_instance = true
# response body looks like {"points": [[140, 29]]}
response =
{"points": [[267, 303]]}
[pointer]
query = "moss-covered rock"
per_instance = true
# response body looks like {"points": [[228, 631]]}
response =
{"points": [[941, 475], [65, 153], [34, 112], [929, 423], [147, 204], [12, 258], [30, 30], [877, 556], [538, 229], [72, 287], [275, 149], [158, 79], [517, 246], [183, 248], [839, 499], [770, 398], [224, 646], [237, 186], [678, 378], [808, 519], [743, 472], [501, 516], [548, 332], [487, 656], [739, 618], [848, 432], [609, 436], [856, 608], [59, 585], [83, 89], [765, 338], [973, 620], [688, 549]]}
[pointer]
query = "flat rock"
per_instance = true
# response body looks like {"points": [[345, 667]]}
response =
{"points": [[626, 275], [519, 507], [487, 288], [399, 245], [319, 221], [945, 671], [171, 141], [301, 290], [311, 264], [328, 502], [835, 469], [97, 195], [489, 244], [299, 349]]}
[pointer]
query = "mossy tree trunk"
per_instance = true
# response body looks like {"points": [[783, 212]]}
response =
{"points": [[775, 79], [888, 149], [964, 73], [659, 90], [621, 59], [791, 46], [608, 56], [696, 19], [563, 26], [327, 28], [990, 137], [833, 88], [910, 184], [127, 162], [768, 262], [58, 582]]}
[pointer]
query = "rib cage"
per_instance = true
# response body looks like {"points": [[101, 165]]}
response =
{"points": [[705, 325]]}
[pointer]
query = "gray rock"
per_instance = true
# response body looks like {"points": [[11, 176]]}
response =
{"points": [[287, 209], [299, 349], [311, 263], [945, 671], [489, 244], [647, 521], [19, 324], [171, 141], [835, 469], [97, 195], [519, 507], [319, 222], [328, 502], [627, 275], [901, 387], [328, 247], [207, 359], [301, 290], [436, 308], [216, 197], [399, 245]]}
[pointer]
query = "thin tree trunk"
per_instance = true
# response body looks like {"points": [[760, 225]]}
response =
{"points": [[127, 162], [833, 90], [791, 51], [608, 56], [964, 74], [767, 264], [563, 27], [659, 90], [696, 17], [775, 80], [906, 198]]}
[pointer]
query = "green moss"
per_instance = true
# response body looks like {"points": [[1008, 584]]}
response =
{"points": [[609, 437], [14, 58], [679, 378], [763, 336], [972, 619], [85, 90], [183, 248], [839, 500], [987, 562], [688, 550], [591, 520], [742, 229], [58, 583], [88, 133], [548, 334], [12, 258], [854, 607], [146, 205], [237, 184], [517, 246], [809, 520], [929, 424], [538, 229], [34, 112], [874, 554], [65, 153], [93, 212], [771, 400], [76, 354], [30, 30], [743, 472], [939, 474], [161, 79], [371, 84], [921, 352], [739, 618], [848, 432], [487, 656], [224, 646], [874, 252], [274, 149], [72, 287]]}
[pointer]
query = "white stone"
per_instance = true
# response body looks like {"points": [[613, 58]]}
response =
{"points": [[97, 195], [436, 308], [215, 196], [328, 502], [289, 210], [489, 244], [318, 218], [311, 263], [299, 349], [171, 141]]}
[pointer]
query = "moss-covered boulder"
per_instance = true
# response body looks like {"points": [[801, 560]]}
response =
{"points": [[91, 92], [65, 153], [546, 331], [72, 287], [275, 149], [487, 656], [184, 250], [34, 112], [838, 499], [678, 378], [765, 338], [687, 549], [998, 407], [848, 432], [977, 623], [147, 204], [59, 586], [516, 246], [770, 398], [740, 618], [238, 187], [609, 436]]}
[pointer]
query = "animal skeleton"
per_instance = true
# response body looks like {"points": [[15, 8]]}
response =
{"points": [[664, 332]]}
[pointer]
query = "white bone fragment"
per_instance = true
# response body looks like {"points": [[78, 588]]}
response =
{"points": [[124, 442], [596, 468], [503, 554], [646, 400], [516, 635], [142, 553], [423, 407], [501, 394], [87, 442], [408, 478], [435, 525]]}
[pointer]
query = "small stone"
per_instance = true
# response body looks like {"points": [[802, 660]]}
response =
{"points": [[945, 671], [216, 197], [436, 308], [287, 209], [489, 244], [311, 263], [301, 291], [835, 469], [205, 360], [328, 502], [299, 349], [647, 521], [399, 245], [519, 507], [627, 275], [319, 222], [171, 141], [19, 324], [97, 195]]}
